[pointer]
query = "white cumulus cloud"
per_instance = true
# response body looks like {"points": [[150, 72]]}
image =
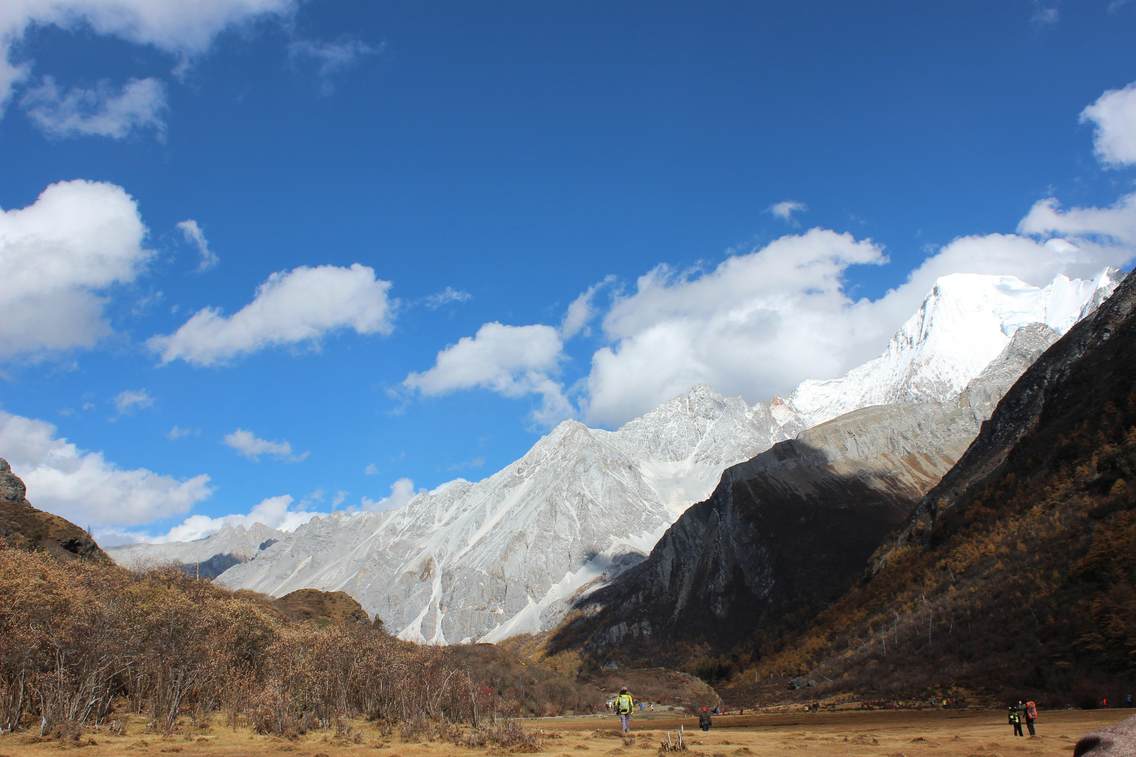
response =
{"points": [[249, 445], [103, 111], [275, 512], [332, 58], [1114, 117], [762, 322], [86, 488], [514, 361], [401, 492], [290, 308], [1115, 224], [60, 256], [193, 234]]}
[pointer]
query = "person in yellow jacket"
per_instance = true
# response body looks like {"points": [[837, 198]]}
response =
{"points": [[624, 704]]}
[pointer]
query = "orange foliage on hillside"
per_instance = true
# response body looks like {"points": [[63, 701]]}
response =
{"points": [[1027, 586]]}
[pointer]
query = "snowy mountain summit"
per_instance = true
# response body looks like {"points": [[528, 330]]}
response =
{"points": [[506, 555], [963, 324]]}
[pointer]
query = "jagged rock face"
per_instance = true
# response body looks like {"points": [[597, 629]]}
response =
{"points": [[24, 527], [509, 554], [781, 535], [984, 392], [12, 489]]}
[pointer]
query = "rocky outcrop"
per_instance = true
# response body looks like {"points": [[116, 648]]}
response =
{"points": [[984, 393], [1114, 741], [24, 527]]}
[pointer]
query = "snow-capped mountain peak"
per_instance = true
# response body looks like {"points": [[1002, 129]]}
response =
{"points": [[965, 321]]}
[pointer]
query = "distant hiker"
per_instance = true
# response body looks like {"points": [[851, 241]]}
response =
{"points": [[1031, 716], [704, 718], [1016, 720], [1128, 700], [624, 705]]}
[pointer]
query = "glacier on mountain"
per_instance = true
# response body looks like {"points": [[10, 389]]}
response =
{"points": [[507, 555]]}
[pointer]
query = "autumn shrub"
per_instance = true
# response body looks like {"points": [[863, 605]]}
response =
{"points": [[78, 640]]}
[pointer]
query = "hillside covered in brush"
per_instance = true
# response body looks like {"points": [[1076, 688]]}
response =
{"points": [[83, 641]]}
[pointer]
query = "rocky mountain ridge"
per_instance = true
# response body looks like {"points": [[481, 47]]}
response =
{"points": [[788, 531], [207, 557], [1017, 571], [509, 554]]}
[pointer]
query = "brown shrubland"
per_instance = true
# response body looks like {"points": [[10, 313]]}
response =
{"points": [[82, 640]]}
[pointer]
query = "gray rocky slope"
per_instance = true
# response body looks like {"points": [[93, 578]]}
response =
{"points": [[208, 557], [509, 554], [787, 532]]}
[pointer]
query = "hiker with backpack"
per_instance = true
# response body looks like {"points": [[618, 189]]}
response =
{"points": [[1031, 716], [1016, 719], [624, 705], [704, 718]]}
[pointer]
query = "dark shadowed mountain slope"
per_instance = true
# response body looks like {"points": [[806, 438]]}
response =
{"points": [[1017, 573], [24, 527], [782, 536], [787, 532]]}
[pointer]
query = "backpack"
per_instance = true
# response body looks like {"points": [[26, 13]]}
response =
{"points": [[1015, 717], [1031, 710], [623, 704]]}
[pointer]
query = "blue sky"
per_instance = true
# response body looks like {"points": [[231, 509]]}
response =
{"points": [[483, 167]]}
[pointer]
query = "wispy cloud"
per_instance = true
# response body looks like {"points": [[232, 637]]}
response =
{"points": [[786, 208], [249, 445], [582, 310], [1045, 14], [445, 297], [103, 111], [193, 234], [177, 432], [132, 400], [332, 58]]}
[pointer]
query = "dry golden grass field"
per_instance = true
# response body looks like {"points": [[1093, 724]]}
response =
{"points": [[909, 733]]}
